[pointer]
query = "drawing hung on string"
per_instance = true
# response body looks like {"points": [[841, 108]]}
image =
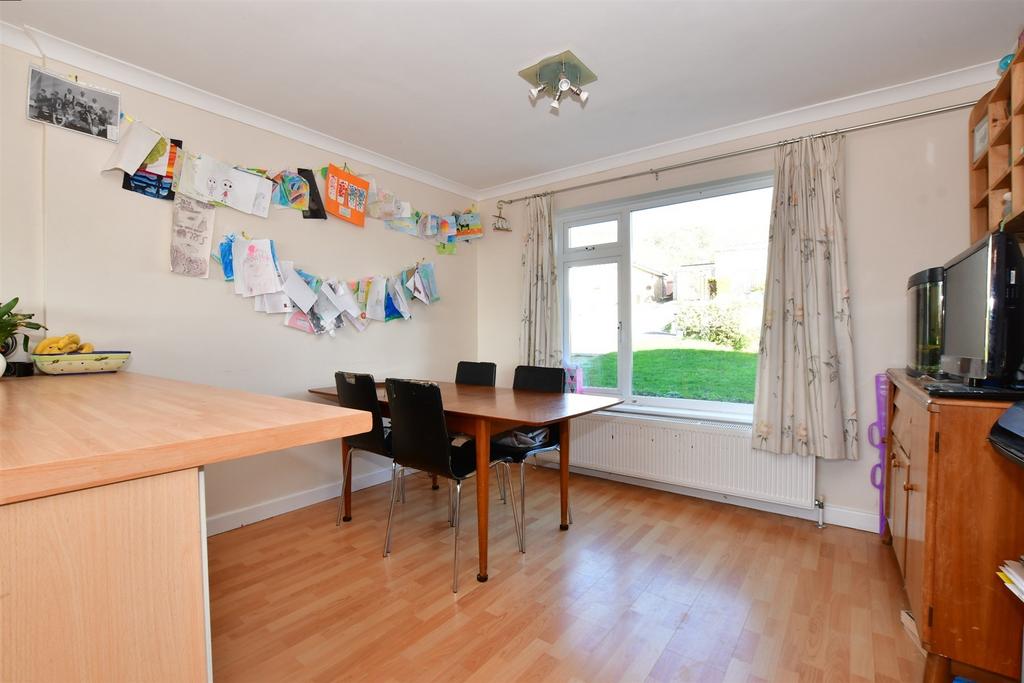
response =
{"points": [[211, 180], [191, 236]]}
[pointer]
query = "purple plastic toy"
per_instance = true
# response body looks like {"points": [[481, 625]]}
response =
{"points": [[876, 437]]}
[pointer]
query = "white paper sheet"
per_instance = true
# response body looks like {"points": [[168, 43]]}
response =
{"points": [[375, 298], [211, 180], [133, 148], [342, 298], [255, 271], [298, 291], [191, 236], [325, 308]]}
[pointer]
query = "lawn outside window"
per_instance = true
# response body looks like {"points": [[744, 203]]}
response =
{"points": [[663, 296]]}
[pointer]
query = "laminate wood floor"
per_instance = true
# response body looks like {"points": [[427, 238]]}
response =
{"points": [[646, 586]]}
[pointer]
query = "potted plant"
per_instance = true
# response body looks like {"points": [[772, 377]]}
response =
{"points": [[11, 325]]}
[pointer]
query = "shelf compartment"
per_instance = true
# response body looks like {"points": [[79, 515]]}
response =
{"points": [[1002, 180]]}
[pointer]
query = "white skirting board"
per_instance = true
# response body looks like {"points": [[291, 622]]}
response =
{"points": [[226, 521]]}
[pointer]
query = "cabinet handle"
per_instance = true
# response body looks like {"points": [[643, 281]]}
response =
{"points": [[909, 487]]}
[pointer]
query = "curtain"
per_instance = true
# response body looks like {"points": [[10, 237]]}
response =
{"points": [[540, 338], [804, 401]]}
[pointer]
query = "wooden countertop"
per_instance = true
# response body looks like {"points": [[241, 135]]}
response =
{"points": [[64, 433], [912, 385]]}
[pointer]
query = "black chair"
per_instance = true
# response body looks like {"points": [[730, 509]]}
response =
{"points": [[358, 391], [480, 374], [531, 378], [420, 439]]}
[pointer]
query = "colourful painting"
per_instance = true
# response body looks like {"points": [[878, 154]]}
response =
{"points": [[346, 196], [291, 191], [155, 177]]}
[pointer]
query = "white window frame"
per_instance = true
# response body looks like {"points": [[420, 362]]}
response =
{"points": [[619, 252]]}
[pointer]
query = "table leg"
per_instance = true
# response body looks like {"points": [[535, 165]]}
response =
{"points": [[937, 669], [483, 471], [433, 482], [346, 465], [563, 468]]}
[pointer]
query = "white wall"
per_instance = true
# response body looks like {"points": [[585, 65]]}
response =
{"points": [[907, 209], [105, 274], [104, 270]]}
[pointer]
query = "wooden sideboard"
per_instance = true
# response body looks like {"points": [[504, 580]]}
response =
{"points": [[955, 508], [102, 526]]}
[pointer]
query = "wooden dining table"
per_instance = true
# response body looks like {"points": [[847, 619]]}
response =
{"points": [[485, 411]]}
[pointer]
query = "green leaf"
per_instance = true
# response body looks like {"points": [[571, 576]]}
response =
{"points": [[24, 343], [8, 307]]}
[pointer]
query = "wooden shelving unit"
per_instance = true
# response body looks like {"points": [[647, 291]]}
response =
{"points": [[998, 168]]}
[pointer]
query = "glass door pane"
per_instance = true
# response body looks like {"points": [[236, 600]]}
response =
{"points": [[592, 299]]}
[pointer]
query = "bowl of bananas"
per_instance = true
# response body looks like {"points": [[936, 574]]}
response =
{"points": [[69, 355]]}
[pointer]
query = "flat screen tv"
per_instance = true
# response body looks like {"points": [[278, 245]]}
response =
{"points": [[983, 332]]}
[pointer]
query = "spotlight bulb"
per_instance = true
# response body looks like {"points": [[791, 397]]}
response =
{"points": [[580, 93], [554, 104], [534, 92], [563, 84]]}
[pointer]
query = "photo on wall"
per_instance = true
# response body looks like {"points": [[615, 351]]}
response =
{"points": [[75, 106]]}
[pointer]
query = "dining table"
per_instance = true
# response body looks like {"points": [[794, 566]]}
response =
{"points": [[482, 412]]}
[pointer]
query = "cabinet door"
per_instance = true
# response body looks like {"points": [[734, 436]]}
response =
{"points": [[899, 464], [916, 491]]}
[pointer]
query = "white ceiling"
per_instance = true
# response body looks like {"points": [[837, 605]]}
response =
{"points": [[435, 84]]}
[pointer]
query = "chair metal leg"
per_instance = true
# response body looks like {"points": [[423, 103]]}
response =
{"points": [[401, 482], [501, 484], [455, 559], [346, 474], [570, 511], [391, 507], [522, 506], [516, 519], [451, 504]]}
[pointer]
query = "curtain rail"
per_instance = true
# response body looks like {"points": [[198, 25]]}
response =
{"points": [[739, 152]]}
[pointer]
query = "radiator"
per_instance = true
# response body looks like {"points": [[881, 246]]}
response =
{"points": [[709, 456]]}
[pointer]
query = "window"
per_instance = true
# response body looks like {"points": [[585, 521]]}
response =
{"points": [[680, 326]]}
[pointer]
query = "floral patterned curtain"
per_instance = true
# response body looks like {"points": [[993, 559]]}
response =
{"points": [[540, 339], [805, 377]]}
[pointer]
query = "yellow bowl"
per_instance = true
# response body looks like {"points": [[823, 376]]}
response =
{"points": [[81, 363]]}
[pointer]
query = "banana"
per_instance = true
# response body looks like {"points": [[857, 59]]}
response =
{"points": [[86, 348], [46, 343]]}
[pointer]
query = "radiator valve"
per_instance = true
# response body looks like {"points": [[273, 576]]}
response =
{"points": [[819, 503]]}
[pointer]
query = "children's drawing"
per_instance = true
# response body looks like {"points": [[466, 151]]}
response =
{"points": [[155, 178], [255, 267], [409, 225], [210, 180], [299, 321], [133, 148], [346, 195], [191, 237], [375, 295], [426, 273], [291, 191], [469, 227]]}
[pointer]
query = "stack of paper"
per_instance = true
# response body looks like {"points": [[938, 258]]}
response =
{"points": [[1012, 574]]}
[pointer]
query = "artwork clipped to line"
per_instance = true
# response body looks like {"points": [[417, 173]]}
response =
{"points": [[155, 177], [133, 148], [291, 191], [316, 204], [347, 195], [210, 180], [191, 236], [469, 226], [66, 103]]}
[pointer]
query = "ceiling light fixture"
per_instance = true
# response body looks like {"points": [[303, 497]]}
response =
{"points": [[560, 76]]}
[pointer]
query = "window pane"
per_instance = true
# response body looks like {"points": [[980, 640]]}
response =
{"points": [[593, 233], [697, 279], [593, 301]]}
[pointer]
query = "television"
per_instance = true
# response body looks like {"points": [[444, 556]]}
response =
{"points": [[983, 329]]}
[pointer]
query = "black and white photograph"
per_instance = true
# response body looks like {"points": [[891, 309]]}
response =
{"points": [[72, 105]]}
